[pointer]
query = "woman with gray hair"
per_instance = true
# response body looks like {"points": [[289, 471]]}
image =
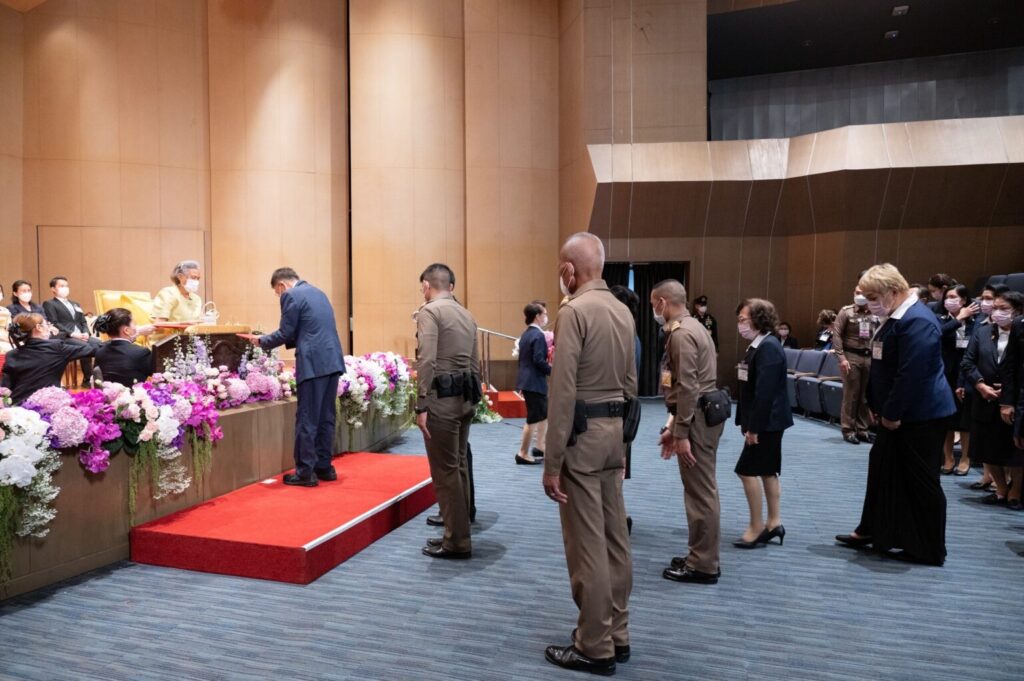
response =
{"points": [[180, 302]]}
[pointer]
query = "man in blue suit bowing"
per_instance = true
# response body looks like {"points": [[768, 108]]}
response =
{"points": [[307, 324]]}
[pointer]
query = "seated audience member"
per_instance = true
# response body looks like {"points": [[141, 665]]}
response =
{"points": [[120, 359], [21, 299], [826, 320], [937, 287], [783, 333], [180, 302], [985, 366], [69, 318], [37, 361], [957, 324]]}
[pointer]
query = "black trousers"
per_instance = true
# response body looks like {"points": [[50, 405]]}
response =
{"points": [[904, 506], [314, 424]]}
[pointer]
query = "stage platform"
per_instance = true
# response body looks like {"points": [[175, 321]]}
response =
{"points": [[269, 530], [508, 404]]}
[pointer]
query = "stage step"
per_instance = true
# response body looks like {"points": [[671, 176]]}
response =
{"points": [[508, 404], [269, 530]]}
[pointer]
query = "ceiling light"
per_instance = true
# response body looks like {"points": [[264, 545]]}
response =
{"points": [[807, 43], [892, 35], [900, 10]]}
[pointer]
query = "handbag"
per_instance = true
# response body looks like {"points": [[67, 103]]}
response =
{"points": [[716, 405]]}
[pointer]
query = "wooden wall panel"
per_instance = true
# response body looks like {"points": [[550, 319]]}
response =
{"points": [[12, 100]]}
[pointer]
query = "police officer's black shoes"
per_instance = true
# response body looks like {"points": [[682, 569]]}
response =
{"points": [[621, 652], [852, 439], [434, 541], [292, 479], [327, 475], [570, 658], [688, 575], [442, 552], [435, 521]]}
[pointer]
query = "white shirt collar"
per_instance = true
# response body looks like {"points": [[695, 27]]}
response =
{"points": [[757, 341], [538, 327], [906, 305]]}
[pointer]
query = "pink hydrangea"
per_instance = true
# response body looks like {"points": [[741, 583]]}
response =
{"points": [[67, 428], [238, 391], [48, 401]]}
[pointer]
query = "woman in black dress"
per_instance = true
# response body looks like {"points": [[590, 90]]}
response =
{"points": [[763, 414], [120, 360], [956, 320], [991, 437], [38, 361]]}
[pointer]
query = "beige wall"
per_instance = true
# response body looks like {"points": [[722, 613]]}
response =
{"points": [[116, 169], [511, 161], [408, 184], [278, 156], [12, 66]]}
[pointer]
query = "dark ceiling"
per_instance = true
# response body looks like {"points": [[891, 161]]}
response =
{"points": [[842, 32]]}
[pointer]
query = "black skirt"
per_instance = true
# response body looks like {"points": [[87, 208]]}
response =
{"points": [[991, 438], [536, 406], [764, 458]]}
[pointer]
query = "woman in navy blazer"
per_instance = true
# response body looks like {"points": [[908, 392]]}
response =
{"points": [[763, 413], [532, 380], [956, 322], [904, 506]]}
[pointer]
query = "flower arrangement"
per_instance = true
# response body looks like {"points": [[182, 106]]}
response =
{"points": [[381, 379], [485, 409]]}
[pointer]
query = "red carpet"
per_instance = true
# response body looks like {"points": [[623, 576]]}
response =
{"points": [[269, 530], [509, 404]]}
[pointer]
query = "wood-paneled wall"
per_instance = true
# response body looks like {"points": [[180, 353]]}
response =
{"points": [[12, 99]]}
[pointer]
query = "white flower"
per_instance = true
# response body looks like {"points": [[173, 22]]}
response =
{"points": [[17, 471]]}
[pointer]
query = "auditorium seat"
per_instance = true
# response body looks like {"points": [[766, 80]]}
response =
{"points": [[1015, 282], [808, 388], [832, 399], [996, 279], [808, 364], [792, 355]]}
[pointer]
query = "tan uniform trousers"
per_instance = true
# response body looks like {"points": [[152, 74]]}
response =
{"points": [[700, 496], [855, 416], [446, 453], [597, 547]]}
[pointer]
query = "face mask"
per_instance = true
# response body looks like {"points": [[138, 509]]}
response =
{"points": [[63, 291], [746, 331], [192, 285], [25, 297], [986, 307], [701, 309], [1002, 318], [859, 300], [953, 305], [783, 333], [659, 318], [562, 287], [878, 308]]}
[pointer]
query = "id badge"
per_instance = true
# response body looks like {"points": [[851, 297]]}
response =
{"points": [[865, 329], [876, 350], [666, 379], [961, 343], [741, 372]]}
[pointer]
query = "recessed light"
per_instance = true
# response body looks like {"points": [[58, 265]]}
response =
{"points": [[993, 21], [807, 43], [892, 35], [900, 10]]}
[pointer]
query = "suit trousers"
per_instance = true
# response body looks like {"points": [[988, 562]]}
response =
{"points": [[597, 549], [700, 496], [449, 469], [314, 424], [854, 416]]}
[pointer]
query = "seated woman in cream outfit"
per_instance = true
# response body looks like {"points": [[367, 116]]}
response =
{"points": [[181, 302]]}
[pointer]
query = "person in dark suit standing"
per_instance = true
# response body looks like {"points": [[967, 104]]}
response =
{"points": [[307, 324], [763, 414], [532, 381], [1011, 398], [38, 361], [120, 360], [69, 318], [904, 506], [701, 314]]}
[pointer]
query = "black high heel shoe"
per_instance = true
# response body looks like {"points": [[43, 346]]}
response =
{"points": [[762, 540], [778, 531]]}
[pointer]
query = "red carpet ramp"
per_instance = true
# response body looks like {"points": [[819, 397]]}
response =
{"points": [[270, 530]]}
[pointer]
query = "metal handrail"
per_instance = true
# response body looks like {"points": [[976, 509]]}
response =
{"points": [[485, 351]]}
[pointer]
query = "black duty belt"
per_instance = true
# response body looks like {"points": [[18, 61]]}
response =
{"points": [[600, 410], [863, 352]]}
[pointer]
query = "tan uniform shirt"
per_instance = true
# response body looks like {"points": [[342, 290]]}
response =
{"points": [[169, 304], [692, 369], [447, 343], [846, 331], [594, 361]]}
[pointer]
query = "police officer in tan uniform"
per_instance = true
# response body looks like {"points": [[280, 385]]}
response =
{"points": [[448, 374], [851, 341], [690, 371], [592, 374]]}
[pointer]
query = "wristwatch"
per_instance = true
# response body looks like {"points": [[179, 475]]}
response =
{"points": [[421, 410]]}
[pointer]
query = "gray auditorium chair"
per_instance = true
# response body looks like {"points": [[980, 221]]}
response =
{"points": [[808, 364], [792, 355], [832, 399], [1015, 282], [808, 388], [996, 279]]}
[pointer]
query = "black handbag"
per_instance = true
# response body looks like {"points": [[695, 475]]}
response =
{"points": [[716, 405]]}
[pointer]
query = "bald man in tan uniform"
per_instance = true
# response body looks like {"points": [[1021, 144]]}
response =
{"points": [[448, 376], [594, 364]]}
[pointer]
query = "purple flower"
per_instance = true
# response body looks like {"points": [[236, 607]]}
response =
{"points": [[48, 401]]}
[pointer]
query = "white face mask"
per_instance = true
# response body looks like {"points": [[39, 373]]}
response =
{"points": [[748, 332], [562, 287], [25, 297], [783, 333], [659, 318], [63, 291], [701, 309], [1002, 318], [953, 305], [859, 300], [986, 307], [191, 285]]}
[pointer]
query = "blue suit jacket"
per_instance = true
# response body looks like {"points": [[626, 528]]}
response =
{"points": [[763, 403], [1011, 375], [533, 362], [909, 382], [307, 324]]}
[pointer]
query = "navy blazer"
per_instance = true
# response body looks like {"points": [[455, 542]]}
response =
{"points": [[124, 362], [40, 363], [763, 404], [909, 382], [952, 356], [307, 324], [1011, 375], [533, 362], [16, 309]]}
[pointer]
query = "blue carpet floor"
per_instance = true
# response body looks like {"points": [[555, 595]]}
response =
{"points": [[808, 610]]}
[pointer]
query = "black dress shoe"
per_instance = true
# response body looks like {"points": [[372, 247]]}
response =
{"points": [[442, 552], [678, 562], [526, 462], [761, 540], [850, 540], [327, 474], [852, 439], [689, 575], [570, 658], [863, 437], [621, 652], [993, 500], [434, 541], [777, 531], [292, 479], [537, 454], [435, 521]]}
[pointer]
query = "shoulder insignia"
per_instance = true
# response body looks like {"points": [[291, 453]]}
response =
{"points": [[674, 325]]}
